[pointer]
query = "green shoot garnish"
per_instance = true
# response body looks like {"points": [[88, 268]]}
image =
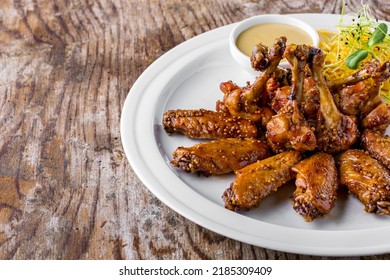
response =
{"points": [[377, 37], [354, 59]]}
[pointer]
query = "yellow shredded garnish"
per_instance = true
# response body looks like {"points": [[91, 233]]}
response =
{"points": [[352, 36]]}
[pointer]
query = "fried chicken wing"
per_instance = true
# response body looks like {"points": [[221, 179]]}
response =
{"points": [[220, 156], [359, 93], [261, 115], [351, 98], [378, 146], [380, 116], [288, 129], [316, 186], [244, 101], [258, 180], [373, 139], [367, 179], [368, 71], [374, 99], [206, 124], [335, 131]]}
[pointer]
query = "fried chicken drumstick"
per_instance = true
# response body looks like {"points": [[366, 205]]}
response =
{"points": [[244, 101], [288, 129], [317, 185], [335, 131], [220, 156]]}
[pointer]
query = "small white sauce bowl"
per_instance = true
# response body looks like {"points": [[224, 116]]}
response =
{"points": [[242, 58]]}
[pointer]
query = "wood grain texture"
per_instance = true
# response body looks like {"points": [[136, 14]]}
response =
{"points": [[66, 67]]}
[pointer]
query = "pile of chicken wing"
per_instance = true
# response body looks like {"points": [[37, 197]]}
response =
{"points": [[293, 124]]}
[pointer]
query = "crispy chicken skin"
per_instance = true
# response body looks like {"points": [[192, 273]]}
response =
{"points": [[220, 156], [377, 145], [206, 124], [316, 186], [258, 180], [367, 179]]}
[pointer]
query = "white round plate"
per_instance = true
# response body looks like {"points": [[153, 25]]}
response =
{"points": [[188, 77]]}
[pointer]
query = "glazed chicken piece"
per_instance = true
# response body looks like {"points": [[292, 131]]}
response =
{"points": [[359, 99], [380, 116], [281, 77], [206, 124], [258, 180], [264, 58], [335, 131], [244, 101], [377, 145], [309, 104], [350, 98], [368, 71], [373, 139], [367, 179], [288, 129], [362, 97], [317, 184], [220, 156], [374, 99], [281, 97], [261, 115]]}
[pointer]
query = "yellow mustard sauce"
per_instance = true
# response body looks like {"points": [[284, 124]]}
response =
{"points": [[266, 34]]}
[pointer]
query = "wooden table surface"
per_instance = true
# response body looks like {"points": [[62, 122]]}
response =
{"points": [[67, 190]]}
